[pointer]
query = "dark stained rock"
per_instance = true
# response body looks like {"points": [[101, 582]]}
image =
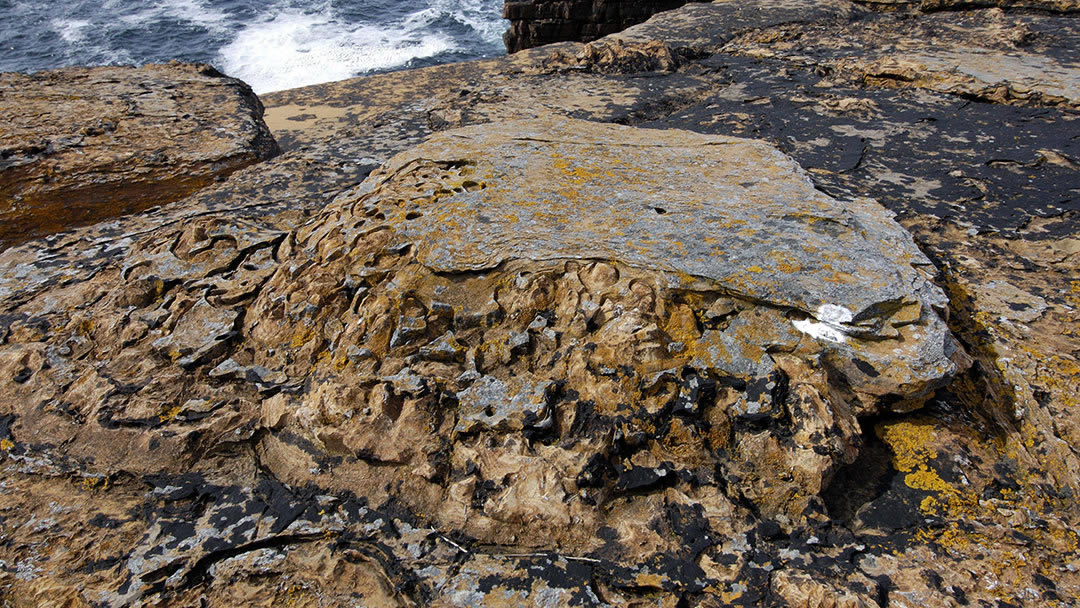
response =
{"points": [[80, 145], [538, 22], [1062, 6]]}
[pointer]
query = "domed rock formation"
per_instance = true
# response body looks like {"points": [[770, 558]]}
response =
{"points": [[620, 345]]}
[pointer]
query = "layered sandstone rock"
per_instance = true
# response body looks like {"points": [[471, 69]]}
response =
{"points": [[80, 145]]}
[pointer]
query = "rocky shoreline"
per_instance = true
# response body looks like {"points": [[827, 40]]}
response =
{"points": [[766, 303]]}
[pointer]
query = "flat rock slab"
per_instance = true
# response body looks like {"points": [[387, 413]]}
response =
{"points": [[736, 212], [83, 144]]}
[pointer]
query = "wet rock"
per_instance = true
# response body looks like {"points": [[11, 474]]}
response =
{"points": [[84, 144]]}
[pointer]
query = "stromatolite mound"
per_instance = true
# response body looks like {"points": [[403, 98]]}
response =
{"points": [[630, 306], [79, 145], [616, 354]]}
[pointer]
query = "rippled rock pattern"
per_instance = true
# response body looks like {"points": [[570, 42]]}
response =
{"points": [[79, 145]]}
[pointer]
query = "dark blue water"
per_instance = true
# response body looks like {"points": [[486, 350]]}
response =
{"points": [[273, 45]]}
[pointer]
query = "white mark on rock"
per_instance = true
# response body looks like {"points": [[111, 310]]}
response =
{"points": [[834, 314], [829, 323]]}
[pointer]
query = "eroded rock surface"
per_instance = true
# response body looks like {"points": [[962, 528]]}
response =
{"points": [[504, 330], [254, 399], [79, 145]]}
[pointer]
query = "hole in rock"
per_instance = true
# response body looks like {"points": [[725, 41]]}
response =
{"points": [[862, 481], [659, 210]]}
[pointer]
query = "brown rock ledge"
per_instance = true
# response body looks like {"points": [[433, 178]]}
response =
{"points": [[79, 145]]}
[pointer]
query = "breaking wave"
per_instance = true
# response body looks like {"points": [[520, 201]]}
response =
{"points": [[273, 45]]}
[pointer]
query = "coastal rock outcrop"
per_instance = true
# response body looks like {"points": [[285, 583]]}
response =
{"points": [[80, 145], [513, 329], [455, 347]]}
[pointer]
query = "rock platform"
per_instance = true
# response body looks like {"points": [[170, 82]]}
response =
{"points": [[753, 304]]}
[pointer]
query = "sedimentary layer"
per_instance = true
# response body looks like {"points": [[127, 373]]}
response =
{"points": [[81, 145]]}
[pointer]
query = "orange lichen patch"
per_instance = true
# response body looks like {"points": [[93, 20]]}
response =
{"points": [[926, 479], [910, 442], [6, 444], [728, 597], [649, 580], [302, 336], [170, 413], [91, 484]]}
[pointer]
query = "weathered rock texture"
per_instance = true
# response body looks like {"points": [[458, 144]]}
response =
{"points": [[294, 388], [83, 144], [538, 22]]}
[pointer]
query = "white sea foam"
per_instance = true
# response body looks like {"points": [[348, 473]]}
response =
{"points": [[196, 12], [275, 45], [295, 49], [71, 30], [476, 14]]}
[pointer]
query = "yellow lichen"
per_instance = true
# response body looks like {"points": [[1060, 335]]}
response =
{"points": [[649, 580], [930, 505], [301, 337], [910, 443], [170, 413], [928, 480], [90, 484], [6, 444]]}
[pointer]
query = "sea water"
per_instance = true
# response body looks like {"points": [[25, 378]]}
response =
{"points": [[272, 44]]}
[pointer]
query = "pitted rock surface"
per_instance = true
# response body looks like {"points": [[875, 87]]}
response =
{"points": [[356, 428], [79, 145], [497, 380], [735, 214]]}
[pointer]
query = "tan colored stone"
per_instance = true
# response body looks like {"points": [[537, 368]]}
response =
{"points": [[79, 145]]}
